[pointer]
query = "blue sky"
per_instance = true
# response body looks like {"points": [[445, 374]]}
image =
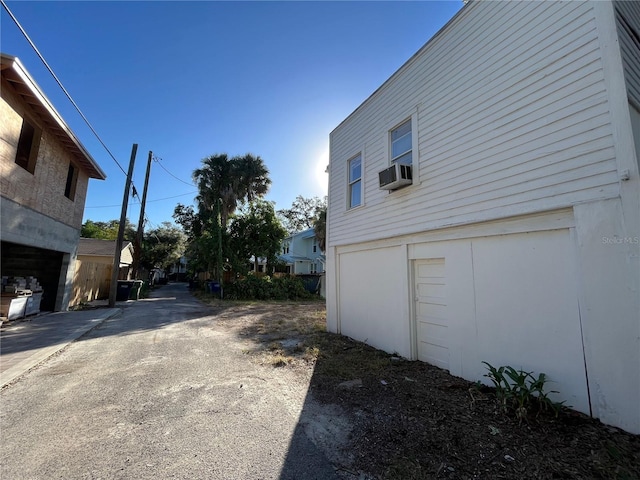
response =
{"points": [[191, 79]]}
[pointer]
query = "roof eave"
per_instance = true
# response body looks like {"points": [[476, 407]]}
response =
{"points": [[20, 75]]}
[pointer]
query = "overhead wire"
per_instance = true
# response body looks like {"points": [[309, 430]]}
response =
{"points": [[148, 201], [158, 160], [134, 192], [24, 33]]}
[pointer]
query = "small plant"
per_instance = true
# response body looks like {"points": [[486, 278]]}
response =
{"points": [[520, 391]]}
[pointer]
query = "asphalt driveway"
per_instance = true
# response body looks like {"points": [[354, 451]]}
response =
{"points": [[160, 392]]}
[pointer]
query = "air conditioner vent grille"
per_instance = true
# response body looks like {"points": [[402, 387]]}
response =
{"points": [[396, 176]]}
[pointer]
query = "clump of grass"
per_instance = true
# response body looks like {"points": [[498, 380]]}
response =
{"points": [[280, 360], [311, 354]]}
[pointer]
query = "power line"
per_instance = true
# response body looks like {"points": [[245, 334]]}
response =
{"points": [[148, 201], [22, 30], [158, 160]]}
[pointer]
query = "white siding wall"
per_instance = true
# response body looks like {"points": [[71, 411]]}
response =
{"points": [[527, 158], [628, 26], [512, 116]]}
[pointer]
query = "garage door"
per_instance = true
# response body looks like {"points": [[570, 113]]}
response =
{"points": [[431, 312]]}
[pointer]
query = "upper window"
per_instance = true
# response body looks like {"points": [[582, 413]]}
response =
{"points": [[401, 144], [27, 152], [72, 180], [355, 181]]}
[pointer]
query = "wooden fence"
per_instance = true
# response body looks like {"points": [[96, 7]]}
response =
{"points": [[90, 282]]}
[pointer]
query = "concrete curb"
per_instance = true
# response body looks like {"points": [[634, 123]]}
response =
{"points": [[42, 354]]}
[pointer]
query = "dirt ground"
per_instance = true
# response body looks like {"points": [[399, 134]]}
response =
{"points": [[410, 420]]}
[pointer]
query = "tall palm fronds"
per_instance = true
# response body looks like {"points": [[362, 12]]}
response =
{"points": [[230, 181]]}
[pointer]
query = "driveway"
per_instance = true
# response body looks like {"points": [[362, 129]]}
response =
{"points": [[162, 391]]}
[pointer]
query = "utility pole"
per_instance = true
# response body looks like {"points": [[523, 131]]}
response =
{"points": [[138, 245], [123, 216], [219, 268]]}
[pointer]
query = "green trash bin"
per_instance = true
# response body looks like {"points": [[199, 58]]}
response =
{"points": [[135, 289]]}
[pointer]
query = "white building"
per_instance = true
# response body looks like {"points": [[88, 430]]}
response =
{"points": [[518, 240]]}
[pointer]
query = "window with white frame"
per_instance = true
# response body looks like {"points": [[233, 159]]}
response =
{"points": [[355, 181], [401, 144]]}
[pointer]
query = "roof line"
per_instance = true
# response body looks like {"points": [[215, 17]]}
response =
{"points": [[16, 65]]}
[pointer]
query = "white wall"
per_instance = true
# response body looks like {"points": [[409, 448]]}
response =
{"points": [[609, 259], [526, 308], [547, 293], [512, 113], [526, 182], [373, 295]]}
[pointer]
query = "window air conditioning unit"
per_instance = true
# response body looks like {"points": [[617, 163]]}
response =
{"points": [[396, 176]]}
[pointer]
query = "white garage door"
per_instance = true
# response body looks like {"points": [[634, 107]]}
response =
{"points": [[431, 312]]}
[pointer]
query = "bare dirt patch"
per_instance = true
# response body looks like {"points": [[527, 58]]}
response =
{"points": [[410, 420]]}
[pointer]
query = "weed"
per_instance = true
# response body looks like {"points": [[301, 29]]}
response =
{"points": [[280, 360], [520, 391]]}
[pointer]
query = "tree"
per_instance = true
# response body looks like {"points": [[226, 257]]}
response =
{"points": [[201, 238], [107, 230], [256, 232], [302, 214], [223, 184], [320, 228], [162, 246]]}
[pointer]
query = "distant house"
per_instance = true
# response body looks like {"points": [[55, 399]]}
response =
{"points": [[94, 265], [301, 254], [484, 202], [45, 174], [178, 270]]}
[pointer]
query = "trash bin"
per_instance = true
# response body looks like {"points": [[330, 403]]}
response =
{"points": [[124, 290], [215, 287], [135, 291]]}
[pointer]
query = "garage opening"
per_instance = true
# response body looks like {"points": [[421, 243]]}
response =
{"points": [[24, 261]]}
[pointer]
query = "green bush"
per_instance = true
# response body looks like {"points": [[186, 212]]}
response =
{"points": [[266, 288]]}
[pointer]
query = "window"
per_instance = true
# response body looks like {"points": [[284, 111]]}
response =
{"points": [[315, 246], [401, 144], [314, 268], [72, 180], [27, 152], [355, 181]]}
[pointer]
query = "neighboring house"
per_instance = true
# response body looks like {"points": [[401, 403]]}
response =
{"points": [[94, 265], [178, 271], [45, 174], [517, 241], [301, 253]]}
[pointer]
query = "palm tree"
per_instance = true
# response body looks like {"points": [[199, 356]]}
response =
{"points": [[240, 179], [222, 184], [320, 227], [215, 181], [253, 177]]}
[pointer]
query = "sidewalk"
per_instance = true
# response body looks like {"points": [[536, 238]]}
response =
{"points": [[26, 343]]}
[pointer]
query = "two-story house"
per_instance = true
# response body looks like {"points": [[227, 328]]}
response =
{"points": [[45, 173], [484, 202], [301, 253]]}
